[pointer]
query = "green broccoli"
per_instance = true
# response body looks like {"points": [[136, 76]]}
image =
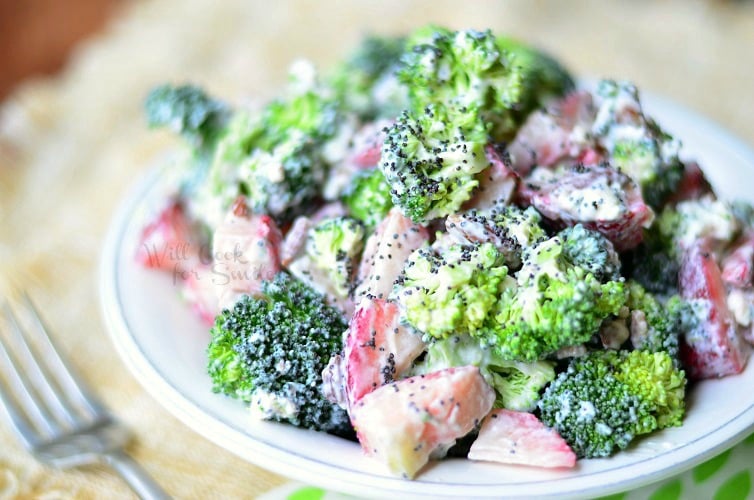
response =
{"points": [[270, 352], [553, 304], [655, 327], [543, 77], [334, 246], [639, 147], [366, 83], [691, 220], [602, 401], [463, 67], [277, 175], [510, 229], [368, 197], [188, 111], [518, 385], [646, 160], [430, 160], [653, 263], [452, 292], [274, 158], [591, 251], [521, 228]]}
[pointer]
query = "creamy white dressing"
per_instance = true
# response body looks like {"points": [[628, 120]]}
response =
{"points": [[740, 304], [266, 405], [706, 218], [623, 132], [598, 201]]}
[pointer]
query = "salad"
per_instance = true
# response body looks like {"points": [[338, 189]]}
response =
{"points": [[444, 247]]}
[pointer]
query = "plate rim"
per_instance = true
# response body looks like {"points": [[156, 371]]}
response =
{"points": [[212, 427]]}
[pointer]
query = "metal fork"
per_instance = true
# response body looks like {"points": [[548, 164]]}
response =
{"points": [[55, 415]]}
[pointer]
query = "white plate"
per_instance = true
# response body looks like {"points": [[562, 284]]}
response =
{"points": [[164, 346]]}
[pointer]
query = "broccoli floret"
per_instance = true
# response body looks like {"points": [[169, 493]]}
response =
{"points": [[553, 304], [368, 197], [277, 174], [518, 385], [510, 229], [524, 226], [270, 352], [655, 378], [430, 160], [635, 143], [647, 160], [591, 251], [366, 83], [188, 111], [452, 292], [464, 67], [334, 246], [602, 401], [653, 264], [309, 109], [691, 220], [274, 158], [655, 327], [543, 77]]}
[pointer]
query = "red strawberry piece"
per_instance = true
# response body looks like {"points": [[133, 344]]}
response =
{"points": [[515, 437], [738, 265], [166, 241], [598, 196], [378, 348], [402, 423], [713, 348]]}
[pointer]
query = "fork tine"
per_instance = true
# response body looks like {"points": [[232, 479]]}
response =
{"points": [[17, 385], [61, 368], [39, 374], [20, 423]]}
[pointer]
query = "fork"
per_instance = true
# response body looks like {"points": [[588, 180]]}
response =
{"points": [[56, 417]]}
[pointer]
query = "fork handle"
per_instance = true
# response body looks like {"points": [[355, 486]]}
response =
{"points": [[136, 477]]}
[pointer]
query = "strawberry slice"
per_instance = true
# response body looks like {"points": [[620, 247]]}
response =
{"points": [[385, 253], [246, 251], [402, 423], [199, 292], [597, 196], [738, 265], [367, 144], [378, 348], [713, 347], [515, 437], [549, 136], [295, 240], [166, 241]]}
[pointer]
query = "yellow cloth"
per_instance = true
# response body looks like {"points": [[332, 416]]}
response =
{"points": [[70, 146]]}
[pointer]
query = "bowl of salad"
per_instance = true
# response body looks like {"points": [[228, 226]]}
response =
{"points": [[445, 267]]}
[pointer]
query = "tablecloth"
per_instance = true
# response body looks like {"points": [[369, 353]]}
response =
{"points": [[71, 145]]}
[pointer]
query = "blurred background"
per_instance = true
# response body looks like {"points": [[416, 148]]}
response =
{"points": [[36, 36], [73, 77]]}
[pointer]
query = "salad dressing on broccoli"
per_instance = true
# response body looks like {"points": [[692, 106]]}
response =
{"points": [[444, 241]]}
